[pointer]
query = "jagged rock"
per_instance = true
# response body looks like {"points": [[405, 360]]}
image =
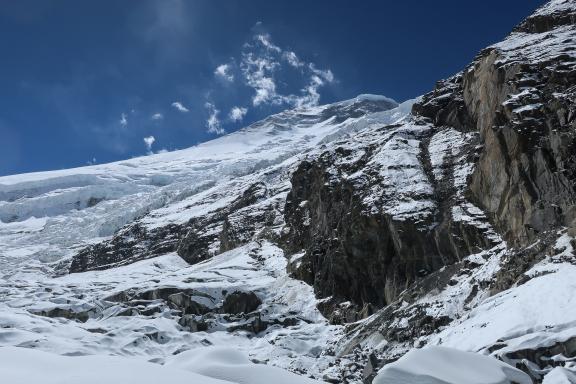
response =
{"points": [[544, 358], [523, 107], [369, 225], [216, 228], [188, 306], [131, 244], [194, 323], [240, 302], [66, 313]]}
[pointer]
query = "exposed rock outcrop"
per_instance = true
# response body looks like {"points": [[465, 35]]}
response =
{"points": [[519, 95], [381, 211], [371, 224]]}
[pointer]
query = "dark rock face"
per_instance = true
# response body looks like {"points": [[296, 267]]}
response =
{"points": [[66, 313], [354, 253], [519, 98], [548, 17], [526, 172], [240, 302], [445, 105], [546, 357], [132, 243], [195, 244], [516, 104], [196, 311], [230, 227], [524, 111]]}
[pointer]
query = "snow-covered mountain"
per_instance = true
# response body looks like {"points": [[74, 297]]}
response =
{"points": [[353, 242]]}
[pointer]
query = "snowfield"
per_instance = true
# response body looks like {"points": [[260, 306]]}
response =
{"points": [[218, 366], [45, 218]]}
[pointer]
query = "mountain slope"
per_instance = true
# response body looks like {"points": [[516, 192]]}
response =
{"points": [[222, 198]]}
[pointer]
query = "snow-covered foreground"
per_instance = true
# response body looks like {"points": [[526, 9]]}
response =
{"points": [[212, 366], [259, 268], [441, 365]]}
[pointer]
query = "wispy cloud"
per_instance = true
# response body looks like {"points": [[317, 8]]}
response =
{"points": [[157, 116], [237, 114], [223, 72], [123, 120], [292, 59], [258, 74], [267, 75], [261, 64], [265, 40], [148, 141], [213, 122], [180, 107]]}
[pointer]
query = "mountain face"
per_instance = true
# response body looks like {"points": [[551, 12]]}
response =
{"points": [[329, 241]]}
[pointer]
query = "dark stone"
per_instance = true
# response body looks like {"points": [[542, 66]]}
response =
{"points": [[364, 257], [132, 243], [187, 305], [193, 323], [65, 313], [240, 302]]}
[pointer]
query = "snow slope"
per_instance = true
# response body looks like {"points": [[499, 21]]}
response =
{"points": [[60, 211], [97, 369], [47, 217]]}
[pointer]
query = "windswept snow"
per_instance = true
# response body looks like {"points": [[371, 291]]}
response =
{"points": [[513, 317], [47, 217], [25, 366], [560, 375], [440, 365], [230, 365], [259, 268]]}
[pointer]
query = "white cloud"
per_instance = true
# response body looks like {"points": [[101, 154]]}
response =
{"points": [[310, 95], [213, 122], [237, 113], [292, 59], [223, 71], [258, 74], [148, 141], [123, 120], [262, 66], [275, 77], [264, 39], [180, 107], [325, 74], [157, 116]]}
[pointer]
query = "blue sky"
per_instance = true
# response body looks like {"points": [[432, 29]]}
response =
{"points": [[97, 81]]}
